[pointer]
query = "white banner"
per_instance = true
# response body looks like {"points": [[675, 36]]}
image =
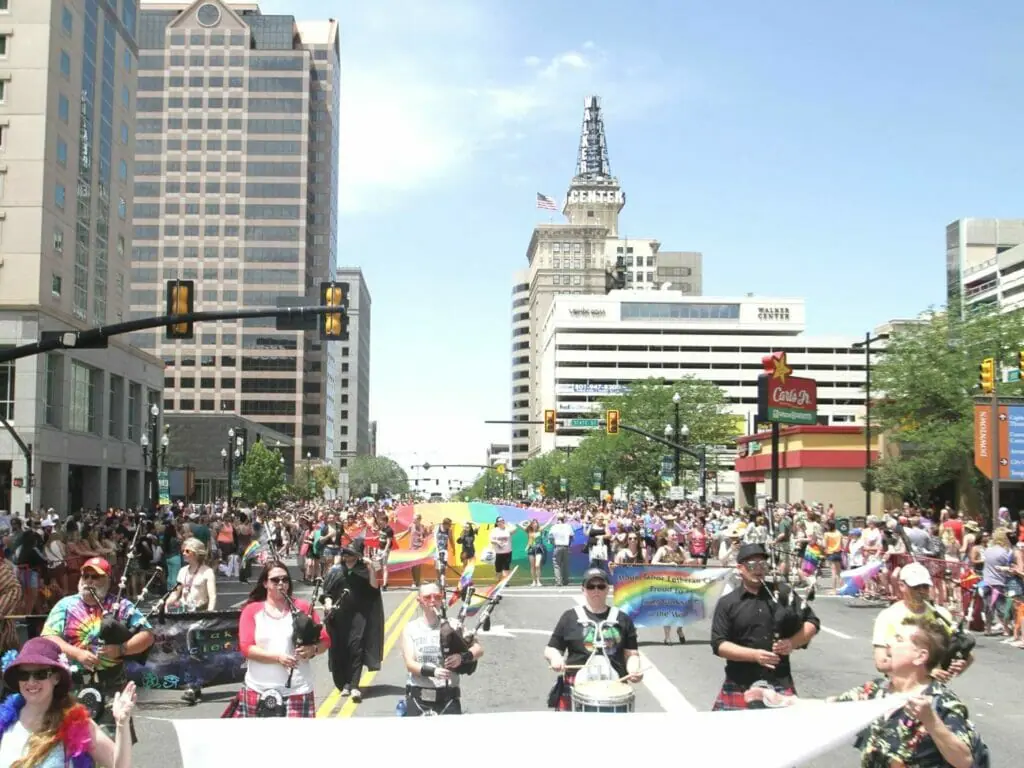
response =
{"points": [[778, 738]]}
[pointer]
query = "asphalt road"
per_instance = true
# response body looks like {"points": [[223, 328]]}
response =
{"points": [[514, 677]]}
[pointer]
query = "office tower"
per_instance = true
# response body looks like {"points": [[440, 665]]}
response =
{"points": [[236, 188], [354, 437], [985, 263], [682, 270], [67, 102], [586, 254]]}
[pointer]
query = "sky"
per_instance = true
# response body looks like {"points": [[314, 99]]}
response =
{"points": [[809, 149]]}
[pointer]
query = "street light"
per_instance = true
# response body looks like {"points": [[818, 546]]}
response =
{"points": [[866, 345], [676, 399], [228, 456], [152, 456]]}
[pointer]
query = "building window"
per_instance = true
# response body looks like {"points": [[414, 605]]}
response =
{"points": [[122, 170], [62, 152], [124, 133], [122, 209], [59, 196], [3, 137], [3, 6], [3, 45], [65, 65], [55, 285], [58, 240], [134, 399], [3, 91], [83, 410], [127, 60], [7, 390], [66, 21], [126, 97], [63, 108], [51, 404]]}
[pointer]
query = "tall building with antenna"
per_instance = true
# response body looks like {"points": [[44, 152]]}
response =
{"points": [[585, 254]]}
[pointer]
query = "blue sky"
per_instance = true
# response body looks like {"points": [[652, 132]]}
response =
{"points": [[807, 149]]}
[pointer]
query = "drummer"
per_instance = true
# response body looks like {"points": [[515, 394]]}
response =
{"points": [[571, 651]]}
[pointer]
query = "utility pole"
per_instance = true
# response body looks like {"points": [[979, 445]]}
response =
{"points": [[995, 429]]}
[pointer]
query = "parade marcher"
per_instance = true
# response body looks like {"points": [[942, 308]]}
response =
{"points": [[42, 726], [75, 624], [571, 647], [932, 729], [279, 677], [915, 587], [743, 632], [433, 684], [355, 618], [196, 591]]}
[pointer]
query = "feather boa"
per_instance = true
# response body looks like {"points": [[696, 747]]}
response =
{"points": [[75, 732]]}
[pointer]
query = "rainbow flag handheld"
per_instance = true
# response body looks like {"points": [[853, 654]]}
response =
{"points": [[465, 582], [252, 551], [479, 599], [665, 595], [401, 559], [855, 579], [814, 556]]}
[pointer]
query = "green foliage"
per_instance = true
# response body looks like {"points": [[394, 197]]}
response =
{"points": [[924, 388], [364, 471], [312, 478], [261, 477], [488, 484], [631, 460]]}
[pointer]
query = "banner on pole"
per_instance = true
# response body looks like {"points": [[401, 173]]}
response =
{"points": [[667, 595]]}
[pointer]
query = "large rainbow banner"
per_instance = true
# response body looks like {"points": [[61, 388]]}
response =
{"points": [[667, 595]]}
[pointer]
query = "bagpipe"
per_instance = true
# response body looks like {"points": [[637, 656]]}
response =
{"points": [[791, 609], [454, 637], [305, 630]]}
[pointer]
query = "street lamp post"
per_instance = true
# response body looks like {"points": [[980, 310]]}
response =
{"points": [[228, 456], [866, 344], [682, 433], [153, 452], [675, 402]]}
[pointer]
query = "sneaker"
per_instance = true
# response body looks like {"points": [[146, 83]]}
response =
{"points": [[346, 691], [357, 695], [190, 697]]}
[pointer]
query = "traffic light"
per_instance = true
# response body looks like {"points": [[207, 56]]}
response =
{"points": [[549, 422], [543, 489], [987, 375], [181, 300], [612, 422], [1020, 361], [334, 325]]}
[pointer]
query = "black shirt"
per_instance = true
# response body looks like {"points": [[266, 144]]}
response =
{"points": [[748, 620], [578, 639]]}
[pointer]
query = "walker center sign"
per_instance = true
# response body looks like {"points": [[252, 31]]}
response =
{"points": [[783, 398]]}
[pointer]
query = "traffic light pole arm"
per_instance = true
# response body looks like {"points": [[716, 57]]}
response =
{"points": [[96, 338], [698, 455]]}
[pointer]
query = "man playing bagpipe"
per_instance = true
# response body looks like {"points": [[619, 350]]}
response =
{"points": [[755, 629], [354, 618], [98, 631], [435, 655]]}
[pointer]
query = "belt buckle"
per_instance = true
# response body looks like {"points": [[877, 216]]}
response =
{"points": [[428, 695]]}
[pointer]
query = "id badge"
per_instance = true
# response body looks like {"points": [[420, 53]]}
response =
{"points": [[428, 695]]}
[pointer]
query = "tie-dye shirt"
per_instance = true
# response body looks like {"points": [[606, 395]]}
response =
{"points": [[75, 622]]}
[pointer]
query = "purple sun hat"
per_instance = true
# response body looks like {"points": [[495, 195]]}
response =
{"points": [[40, 652]]}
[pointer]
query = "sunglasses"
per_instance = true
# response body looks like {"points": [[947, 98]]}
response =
{"points": [[39, 675], [597, 585], [89, 576], [279, 580]]}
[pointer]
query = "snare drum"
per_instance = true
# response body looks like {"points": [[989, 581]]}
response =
{"points": [[602, 696]]}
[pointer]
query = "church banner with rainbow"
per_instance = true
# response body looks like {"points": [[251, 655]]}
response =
{"points": [[667, 595]]}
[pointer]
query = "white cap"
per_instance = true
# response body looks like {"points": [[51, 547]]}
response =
{"points": [[915, 575]]}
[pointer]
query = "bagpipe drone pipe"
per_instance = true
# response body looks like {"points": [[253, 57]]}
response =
{"points": [[454, 638], [305, 630], [961, 642]]}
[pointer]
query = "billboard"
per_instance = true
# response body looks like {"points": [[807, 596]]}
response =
{"points": [[784, 398]]}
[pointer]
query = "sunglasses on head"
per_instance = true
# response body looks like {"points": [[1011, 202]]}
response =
{"points": [[39, 675], [279, 580], [600, 586]]}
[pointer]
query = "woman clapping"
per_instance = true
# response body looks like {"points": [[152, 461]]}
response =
{"points": [[42, 726]]}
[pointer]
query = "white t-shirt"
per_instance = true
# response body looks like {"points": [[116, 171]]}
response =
{"points": [[275, 636], [561, 534], [501, 541], [12, 747], [195, 587]]}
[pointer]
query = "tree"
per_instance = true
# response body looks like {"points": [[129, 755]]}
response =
{"points": [[545, 470], [365, 471], [488, 484], [261, 477], [927, 380]]}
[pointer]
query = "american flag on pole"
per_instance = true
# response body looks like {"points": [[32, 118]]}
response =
{"points": [[546, 203]]}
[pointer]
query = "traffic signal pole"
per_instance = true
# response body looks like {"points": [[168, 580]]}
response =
{"points": [[701, 456], [993, 441], [97, 338]]}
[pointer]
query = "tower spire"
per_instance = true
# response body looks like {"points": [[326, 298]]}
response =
{"points": [[595, 197], [593, 163]]}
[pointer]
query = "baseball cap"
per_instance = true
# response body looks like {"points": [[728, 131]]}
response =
{"points": [[915, 575], [97, 564], [594, 574]]}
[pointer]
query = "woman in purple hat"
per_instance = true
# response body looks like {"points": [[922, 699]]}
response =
{"points": [[42, 726]]}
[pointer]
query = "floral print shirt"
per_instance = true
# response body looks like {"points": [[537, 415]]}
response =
{"points": [[898, 741]]}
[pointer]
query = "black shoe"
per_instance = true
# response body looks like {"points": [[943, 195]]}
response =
{"points": [[191, 696]]}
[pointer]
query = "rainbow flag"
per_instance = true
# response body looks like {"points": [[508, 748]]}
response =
{"points": [[465, 581], [253, 550], [855, 579], [479, 599], [665, 595], [814, 555], [401, 559]]}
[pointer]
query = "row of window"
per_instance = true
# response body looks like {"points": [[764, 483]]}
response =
{"points": [[161, 125]]}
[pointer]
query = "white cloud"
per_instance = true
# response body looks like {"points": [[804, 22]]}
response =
{"points": [[423, 94]]}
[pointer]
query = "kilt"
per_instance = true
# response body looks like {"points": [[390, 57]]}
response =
{"points": [[564, 703], [730, 698], [247, 700]]}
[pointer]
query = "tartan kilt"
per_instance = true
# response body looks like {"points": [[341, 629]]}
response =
{"points": [[247, 700], [564, 703], [730, 697]]}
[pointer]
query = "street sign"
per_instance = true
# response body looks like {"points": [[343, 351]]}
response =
{"points": [[165, 487], [584, 423], [677, 493], [373, 489], [1013, 374], [1009, 431]]}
